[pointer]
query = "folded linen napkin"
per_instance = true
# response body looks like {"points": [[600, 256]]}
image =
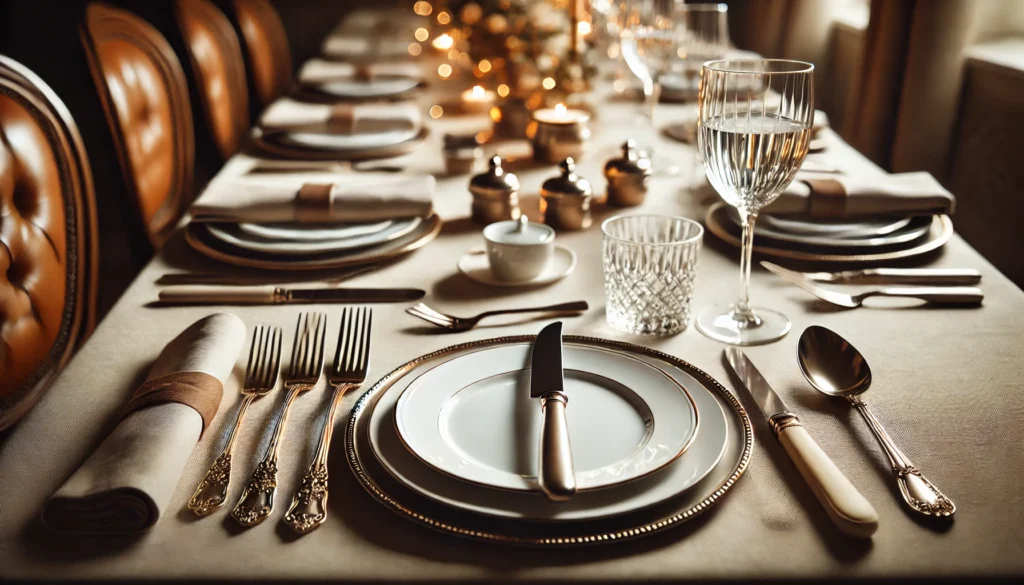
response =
{"points": [[126, 484], [338, 46], [357, 197], [845, 196], [319, 71], [287, 115]]}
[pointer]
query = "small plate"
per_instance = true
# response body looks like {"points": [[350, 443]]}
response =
{"points": [[473, 418], [476, 267], [231, 234]]}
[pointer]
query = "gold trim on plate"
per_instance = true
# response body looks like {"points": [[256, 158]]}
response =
{"points": [[585, 536], [938, 234]]}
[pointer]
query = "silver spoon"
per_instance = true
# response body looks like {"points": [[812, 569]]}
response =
{"points": [[836, 368]]}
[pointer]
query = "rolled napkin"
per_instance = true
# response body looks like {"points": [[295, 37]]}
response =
{"points": [[126, 484], [319, 71], [846, 196], [357, 197], [287, 115]]}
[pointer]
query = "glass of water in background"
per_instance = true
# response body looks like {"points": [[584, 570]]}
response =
{"points": [[650, 262]]}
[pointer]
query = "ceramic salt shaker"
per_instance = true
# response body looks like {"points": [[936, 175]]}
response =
{"points": [[627, 177], [495, 194], [565, 199]]}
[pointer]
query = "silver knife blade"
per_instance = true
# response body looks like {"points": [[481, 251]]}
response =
{"points": [[353, 295], [760, 390], [546, 375]]}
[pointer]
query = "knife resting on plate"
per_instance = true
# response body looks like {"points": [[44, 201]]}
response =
{"points": [[555, 469], [276, 295], [846, 507]]}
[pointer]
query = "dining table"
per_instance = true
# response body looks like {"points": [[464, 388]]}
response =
{"points": [[947, 385]]}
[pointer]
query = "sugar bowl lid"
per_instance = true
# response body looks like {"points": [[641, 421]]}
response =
{"points": [[568, 184], [630, 163], [495, 179]]}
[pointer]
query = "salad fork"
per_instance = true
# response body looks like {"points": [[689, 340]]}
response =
{"points": [[304, 372], [308, 509], [454, 323], [260, 378]]}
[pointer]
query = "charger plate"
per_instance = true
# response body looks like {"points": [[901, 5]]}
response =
{"points": [[680, 507], [941, 230], [199, 238]]}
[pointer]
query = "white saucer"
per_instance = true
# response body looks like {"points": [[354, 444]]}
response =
{"points": [[475, 266]]}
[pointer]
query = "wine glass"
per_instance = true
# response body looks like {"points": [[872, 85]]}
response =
{"points": [[754, 126], [703, 36], [648, 38]]}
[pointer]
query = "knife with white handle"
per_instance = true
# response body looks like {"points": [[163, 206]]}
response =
{"points": [[276, 295], [846, 507]]}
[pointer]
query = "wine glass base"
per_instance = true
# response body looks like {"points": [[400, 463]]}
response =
{"points": [[723, 324]]}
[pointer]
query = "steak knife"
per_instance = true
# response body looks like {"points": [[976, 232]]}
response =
{"points": [[845, 506], [276, 295], [554, 470]]}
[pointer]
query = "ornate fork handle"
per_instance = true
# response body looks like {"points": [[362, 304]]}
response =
{"points": [[917, 491], [308, 509], [212, 491], [257, 501]]}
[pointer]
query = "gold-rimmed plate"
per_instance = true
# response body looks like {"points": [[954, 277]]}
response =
{"points": [[681, 504]]}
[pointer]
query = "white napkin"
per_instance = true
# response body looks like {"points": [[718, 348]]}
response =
{"points": [[357, 197], [318, 71], [286, 114], [125, 485], [347, 46], [899, 194]]}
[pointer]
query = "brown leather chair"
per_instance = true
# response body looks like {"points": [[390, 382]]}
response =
{"points": [[48, 248], [146, 101], [219, 72], [268, 57]]}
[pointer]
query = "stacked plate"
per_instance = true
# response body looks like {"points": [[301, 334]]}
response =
{"points": [[297, 246], [866, 240], [450, 441]]}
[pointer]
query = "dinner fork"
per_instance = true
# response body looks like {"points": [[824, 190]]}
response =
{"points": [[454, 323], [304, 372], [260, 378], [351, 362]]}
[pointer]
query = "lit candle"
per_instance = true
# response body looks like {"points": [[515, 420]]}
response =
{"points": [[559, 132], [443, 42], [561, 115], [478, 100]]}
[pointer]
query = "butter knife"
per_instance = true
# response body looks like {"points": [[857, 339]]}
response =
{"points": [[932, 276], [846, 507], [276, 295], [555, 469]]}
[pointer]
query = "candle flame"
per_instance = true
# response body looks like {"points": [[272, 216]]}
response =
{"points": [[444, 42], [560, 110], [478, 92]]}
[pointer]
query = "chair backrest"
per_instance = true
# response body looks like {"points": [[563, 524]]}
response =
{"points": [[145, 98], [48, 247], [266, 44], [219, 71]]}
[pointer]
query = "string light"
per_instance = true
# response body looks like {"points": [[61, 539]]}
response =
{"points": [[582, 27], [445, 18], [436, 112], [444, 42], [415, 49], [503, 90], [422, 8], [548, 83], [484, 66], [445, 71], [422, 34]]}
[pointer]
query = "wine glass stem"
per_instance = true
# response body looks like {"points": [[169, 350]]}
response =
{"points": [[652, 91], [743, 311]]}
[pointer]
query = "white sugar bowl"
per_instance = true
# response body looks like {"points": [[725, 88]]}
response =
{"points": [[518, 250]]}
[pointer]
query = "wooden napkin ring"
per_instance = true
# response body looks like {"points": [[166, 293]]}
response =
{"points": [[828, 198], [199, 390], [314, 203]]}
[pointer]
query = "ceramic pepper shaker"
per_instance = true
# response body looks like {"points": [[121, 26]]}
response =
{"points": [[565, 200], [495, 194], [627, 177]]}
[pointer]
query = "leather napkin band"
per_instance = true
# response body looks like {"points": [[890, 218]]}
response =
{"points": [[827, 200], [314, 203], [199, 390], [342, 119]]}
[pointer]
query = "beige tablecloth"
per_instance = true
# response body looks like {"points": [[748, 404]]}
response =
{"points": [[947, 384]]}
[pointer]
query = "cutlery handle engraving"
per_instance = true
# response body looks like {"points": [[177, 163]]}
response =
{"points": [[212, 491], [954, 295], [917, 491], [845, 506], [944, 276], [240, 295], [555, 472]]}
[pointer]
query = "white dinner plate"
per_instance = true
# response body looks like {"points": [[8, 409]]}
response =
{"points": [[312, 232], [379, 439], [232, 234], [476, 267], [359, 141], [847, 229], [473, 418], [378, 87], [866, 236]]}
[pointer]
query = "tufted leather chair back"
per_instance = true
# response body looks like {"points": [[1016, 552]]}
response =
{"points": [[270, 60], [48, 249], [219, 68], [145, 97]]}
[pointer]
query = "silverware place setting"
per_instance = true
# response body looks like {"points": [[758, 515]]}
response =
{"points": [[457, 324]]}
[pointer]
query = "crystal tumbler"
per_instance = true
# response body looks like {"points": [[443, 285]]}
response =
{"points": [[650, 262]]}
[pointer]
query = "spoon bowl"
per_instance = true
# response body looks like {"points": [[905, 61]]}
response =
{"points": [[831, 364]]}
